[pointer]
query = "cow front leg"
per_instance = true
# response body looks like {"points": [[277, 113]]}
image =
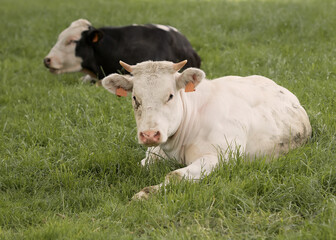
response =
{"points": [[195, 171], [145, 192], [88, 79], [153, 154]]}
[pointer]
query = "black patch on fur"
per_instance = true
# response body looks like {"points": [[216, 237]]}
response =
{"points": [[132, 44]]}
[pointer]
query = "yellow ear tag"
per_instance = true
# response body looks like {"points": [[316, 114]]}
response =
{"points": [[120, 92], [190, 87]]}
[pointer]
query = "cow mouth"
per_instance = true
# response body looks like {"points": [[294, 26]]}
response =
{"points": [[54, 70], [151, 144]]}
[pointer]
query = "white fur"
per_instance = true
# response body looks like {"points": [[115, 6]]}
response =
{"points": [[166, 28], [251, 114], [62, 55], [87, 79]]}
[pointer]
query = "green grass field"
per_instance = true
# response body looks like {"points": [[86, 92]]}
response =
{"points": [[69, 157]]}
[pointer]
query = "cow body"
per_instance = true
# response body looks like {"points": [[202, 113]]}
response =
{"points": [[237, 111], [250, 115], [97, 52]]}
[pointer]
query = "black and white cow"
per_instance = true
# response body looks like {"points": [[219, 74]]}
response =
{"points": [[97, 51]]}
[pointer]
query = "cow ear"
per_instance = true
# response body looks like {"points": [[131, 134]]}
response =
{"points": [[118, 84], [189, 79], [95, 35]]}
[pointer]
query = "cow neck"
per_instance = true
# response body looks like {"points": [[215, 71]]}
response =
{"points": [[174, 147], [86, 71], [94, 68]]}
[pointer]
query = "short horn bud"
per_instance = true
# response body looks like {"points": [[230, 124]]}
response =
{"points": [[178, 66], [127, 67]]}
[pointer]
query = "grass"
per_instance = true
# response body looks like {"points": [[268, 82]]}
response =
{"points": [[69, 158]]}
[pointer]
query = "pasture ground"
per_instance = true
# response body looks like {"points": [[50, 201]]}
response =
{"points": [[69, 158]]}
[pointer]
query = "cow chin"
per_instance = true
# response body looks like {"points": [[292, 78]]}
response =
{"points": [[149, 144], [65, 70], [55, 71]]}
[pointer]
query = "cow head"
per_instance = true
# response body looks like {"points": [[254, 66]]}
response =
{"points": [[156, 97], [62, 57]]}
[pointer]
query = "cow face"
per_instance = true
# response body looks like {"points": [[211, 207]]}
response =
{"points": [[156, 97], [62, 57]]}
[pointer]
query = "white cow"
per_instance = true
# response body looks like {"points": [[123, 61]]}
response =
{"points": [[252, 114]]}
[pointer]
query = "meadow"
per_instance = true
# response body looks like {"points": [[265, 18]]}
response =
{"points": [[69, 157]]}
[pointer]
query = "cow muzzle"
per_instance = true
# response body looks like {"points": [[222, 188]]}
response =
{"points": [[49, 63], [150, 137]]}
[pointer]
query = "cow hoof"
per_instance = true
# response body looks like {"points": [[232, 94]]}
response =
{"points": [[87, 79], [140, 196], [146, 161], [98, 83], [145, 192]]}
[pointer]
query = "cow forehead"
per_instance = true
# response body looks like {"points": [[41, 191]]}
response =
{"points": [[150, 67], [75, 29], [80, 23], [154, 78], [154, 85]]}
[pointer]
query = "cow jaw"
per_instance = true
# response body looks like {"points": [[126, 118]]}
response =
{"points": [[62, 57]]}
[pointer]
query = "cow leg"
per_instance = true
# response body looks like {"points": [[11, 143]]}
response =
{"points": [[88, 79], [153, 154], [195, 171], [145, 192]]}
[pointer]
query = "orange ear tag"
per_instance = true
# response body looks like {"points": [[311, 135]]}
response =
{"points": [[190, 87], [120, 92], [95, 38]]}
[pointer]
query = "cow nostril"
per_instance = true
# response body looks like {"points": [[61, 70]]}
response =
{"points": [[47, 62], [157, 134], [144, 135]]}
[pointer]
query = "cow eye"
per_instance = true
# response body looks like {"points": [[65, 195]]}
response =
{"points": [[70, 41], [136, 101], [170, 97]]}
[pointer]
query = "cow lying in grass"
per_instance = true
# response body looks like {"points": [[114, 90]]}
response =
{"points": [[97, 51], [252, 114]]}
